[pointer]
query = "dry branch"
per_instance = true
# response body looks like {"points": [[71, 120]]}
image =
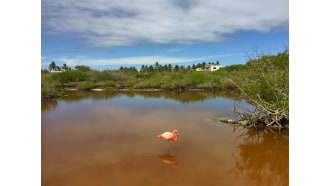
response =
{"points": [[264, 115]]}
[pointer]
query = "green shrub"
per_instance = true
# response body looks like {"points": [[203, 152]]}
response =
{"points": [[69, 76], [86, 85], [200, 78]]}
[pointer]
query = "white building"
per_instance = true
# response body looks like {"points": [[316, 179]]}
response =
{"points": [[212, 67]]}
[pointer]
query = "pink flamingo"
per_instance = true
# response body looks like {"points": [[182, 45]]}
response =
{"points": [[169, 136]]}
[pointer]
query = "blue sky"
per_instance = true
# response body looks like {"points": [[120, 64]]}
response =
{"points": [[107, 34]]}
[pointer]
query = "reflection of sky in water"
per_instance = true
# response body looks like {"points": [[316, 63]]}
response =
{"points": [[144, 102], [221, 104]]}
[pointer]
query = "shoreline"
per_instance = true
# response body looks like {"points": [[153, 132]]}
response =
{"points": [[150, 89]]}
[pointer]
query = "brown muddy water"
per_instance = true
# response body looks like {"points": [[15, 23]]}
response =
{"points": [[92, 139]]}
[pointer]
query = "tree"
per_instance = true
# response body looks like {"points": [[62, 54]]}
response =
{"points": [[203, 65], [165, 68], [157, 66], [142, 69], [64, 67], [170, 67], [176, 68], [267, 87], [52, 66], [151, 68]]}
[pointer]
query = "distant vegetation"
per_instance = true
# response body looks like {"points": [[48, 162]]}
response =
{"points": [[263, 80], [57, 80]]}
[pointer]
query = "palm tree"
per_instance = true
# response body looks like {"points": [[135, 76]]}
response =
{"points": [[52, 66], [64, 67], [157, 66], [176, 68], [142, 68]]}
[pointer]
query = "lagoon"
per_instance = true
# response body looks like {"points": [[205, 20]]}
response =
{"points": [[110, 138]]}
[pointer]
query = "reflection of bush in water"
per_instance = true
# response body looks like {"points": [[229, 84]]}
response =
{"points": [[183, 96], [264, 157], [48, 104]]}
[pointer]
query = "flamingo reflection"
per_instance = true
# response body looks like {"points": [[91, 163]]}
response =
{"points": [[169, 159]]}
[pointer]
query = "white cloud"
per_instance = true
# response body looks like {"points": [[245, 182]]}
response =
{"points": [[105, 23]]}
